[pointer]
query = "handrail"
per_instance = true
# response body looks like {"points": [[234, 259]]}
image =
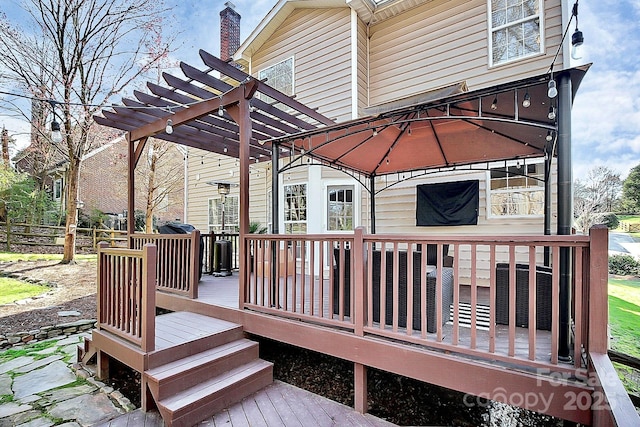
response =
{"points": [[126, 294], [178, 267], [289, 283]]}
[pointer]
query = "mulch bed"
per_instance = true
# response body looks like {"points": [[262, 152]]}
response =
{"points": [[37, 318]]}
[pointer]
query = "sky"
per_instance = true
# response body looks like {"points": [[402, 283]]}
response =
{"points": [[606, 111]]}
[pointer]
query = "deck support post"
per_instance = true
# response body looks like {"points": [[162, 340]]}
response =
{"points": [[360, 388], [102, 370], [565, 212]]}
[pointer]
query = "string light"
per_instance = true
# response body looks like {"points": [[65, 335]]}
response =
{"points": [[552, 113], [526, 102], [552, 91], [494, 104], [169, 128]]}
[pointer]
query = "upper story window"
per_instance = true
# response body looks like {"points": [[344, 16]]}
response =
{"points": [[279, 76], [516, 29], [517, 190]]}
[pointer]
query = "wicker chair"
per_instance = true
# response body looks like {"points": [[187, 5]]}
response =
{"points": [[347, 281], [447, 291], [543, 296]]}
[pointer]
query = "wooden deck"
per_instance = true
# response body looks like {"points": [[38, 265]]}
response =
{"points": [[279, 404]]}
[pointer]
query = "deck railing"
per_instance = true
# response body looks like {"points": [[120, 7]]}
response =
{"points": [[209, 250], [126, 294], [379, 285], [178, 266]]}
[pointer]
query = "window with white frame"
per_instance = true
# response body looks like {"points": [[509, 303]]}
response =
{"points": [[57, 189], [279, 76], [516, 29], [340, 207], [295, 209], [231, 214], [516, 190]]}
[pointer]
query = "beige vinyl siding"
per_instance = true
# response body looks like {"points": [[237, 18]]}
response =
{"points": [[319, 41], [204, 167], [444, 42]]}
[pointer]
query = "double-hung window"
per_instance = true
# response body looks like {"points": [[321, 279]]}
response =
{"points": [[516, 29], [231, 214], [279, 76], [339, 207], [295, 209], [517, 190]]}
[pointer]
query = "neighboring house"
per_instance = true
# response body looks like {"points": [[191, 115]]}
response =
{"points": [[344, 57], [103, 183]]}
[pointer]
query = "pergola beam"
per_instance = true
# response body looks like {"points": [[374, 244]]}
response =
{"points": [[194, 112]]}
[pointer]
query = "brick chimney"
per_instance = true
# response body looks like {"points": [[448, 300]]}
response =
{"points": [[229, 31]]}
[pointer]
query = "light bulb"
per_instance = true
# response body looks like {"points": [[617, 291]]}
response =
{"points": [[552, 113], [577, 39], [56, 135], [375, 132], [225, 149], [552, 92], [169, 128], [220, 111], [549, 136], [494, 104], [526, 102]]}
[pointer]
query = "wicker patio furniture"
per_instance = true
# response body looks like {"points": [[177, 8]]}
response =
{"points": [[543, 296]]}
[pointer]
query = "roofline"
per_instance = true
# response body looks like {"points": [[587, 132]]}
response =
{"points": [[368, 11], [273, 19]]}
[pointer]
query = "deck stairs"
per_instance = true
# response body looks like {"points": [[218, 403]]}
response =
{"points": [[204, 369]]}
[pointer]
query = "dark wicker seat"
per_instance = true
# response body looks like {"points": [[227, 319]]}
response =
{"points": [[347, 281], [447, 291], [543, 295]]}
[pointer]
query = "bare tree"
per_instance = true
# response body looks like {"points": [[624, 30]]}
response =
{"points": [[598, 193], [164, 172], [93, 50]]}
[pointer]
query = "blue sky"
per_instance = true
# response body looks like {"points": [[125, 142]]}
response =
{"points": [[606, 112]]}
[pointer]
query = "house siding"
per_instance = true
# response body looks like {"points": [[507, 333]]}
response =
{"points": [[207, 167], [319, 41], [444, 42]]}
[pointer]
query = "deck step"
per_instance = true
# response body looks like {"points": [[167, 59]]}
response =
{"points": [[205, 399], [86, 350], [166, 380]]}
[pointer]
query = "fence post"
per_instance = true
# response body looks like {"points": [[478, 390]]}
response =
{"points": [[149, 259], [598, 314], [195, 264]]}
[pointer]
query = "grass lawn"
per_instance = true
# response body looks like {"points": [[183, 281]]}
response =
{"points": [[624, 315], [13, 290], [12, 257]]}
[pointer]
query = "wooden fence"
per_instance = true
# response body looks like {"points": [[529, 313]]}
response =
{"points": [[51, 235]]}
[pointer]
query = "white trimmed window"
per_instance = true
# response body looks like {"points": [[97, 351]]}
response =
{"points": [[57, 189], [340, 207], [516, 29], [231, 214], [279, 76], [516, 190], [295, 209]]}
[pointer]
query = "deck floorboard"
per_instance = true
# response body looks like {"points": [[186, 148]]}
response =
{"points": [[279, 404]]}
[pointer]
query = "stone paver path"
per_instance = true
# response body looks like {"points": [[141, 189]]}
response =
{"points": [[42, 385]]}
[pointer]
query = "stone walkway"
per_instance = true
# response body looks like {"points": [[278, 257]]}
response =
{"points": [[41, 385]]}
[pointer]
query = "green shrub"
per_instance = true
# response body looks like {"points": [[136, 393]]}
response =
{"points": [[624, 265], [608, 218]]}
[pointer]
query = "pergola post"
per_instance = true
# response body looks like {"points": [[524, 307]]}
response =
{"points": [[372, 190], [134, 156], [565, 211]]}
